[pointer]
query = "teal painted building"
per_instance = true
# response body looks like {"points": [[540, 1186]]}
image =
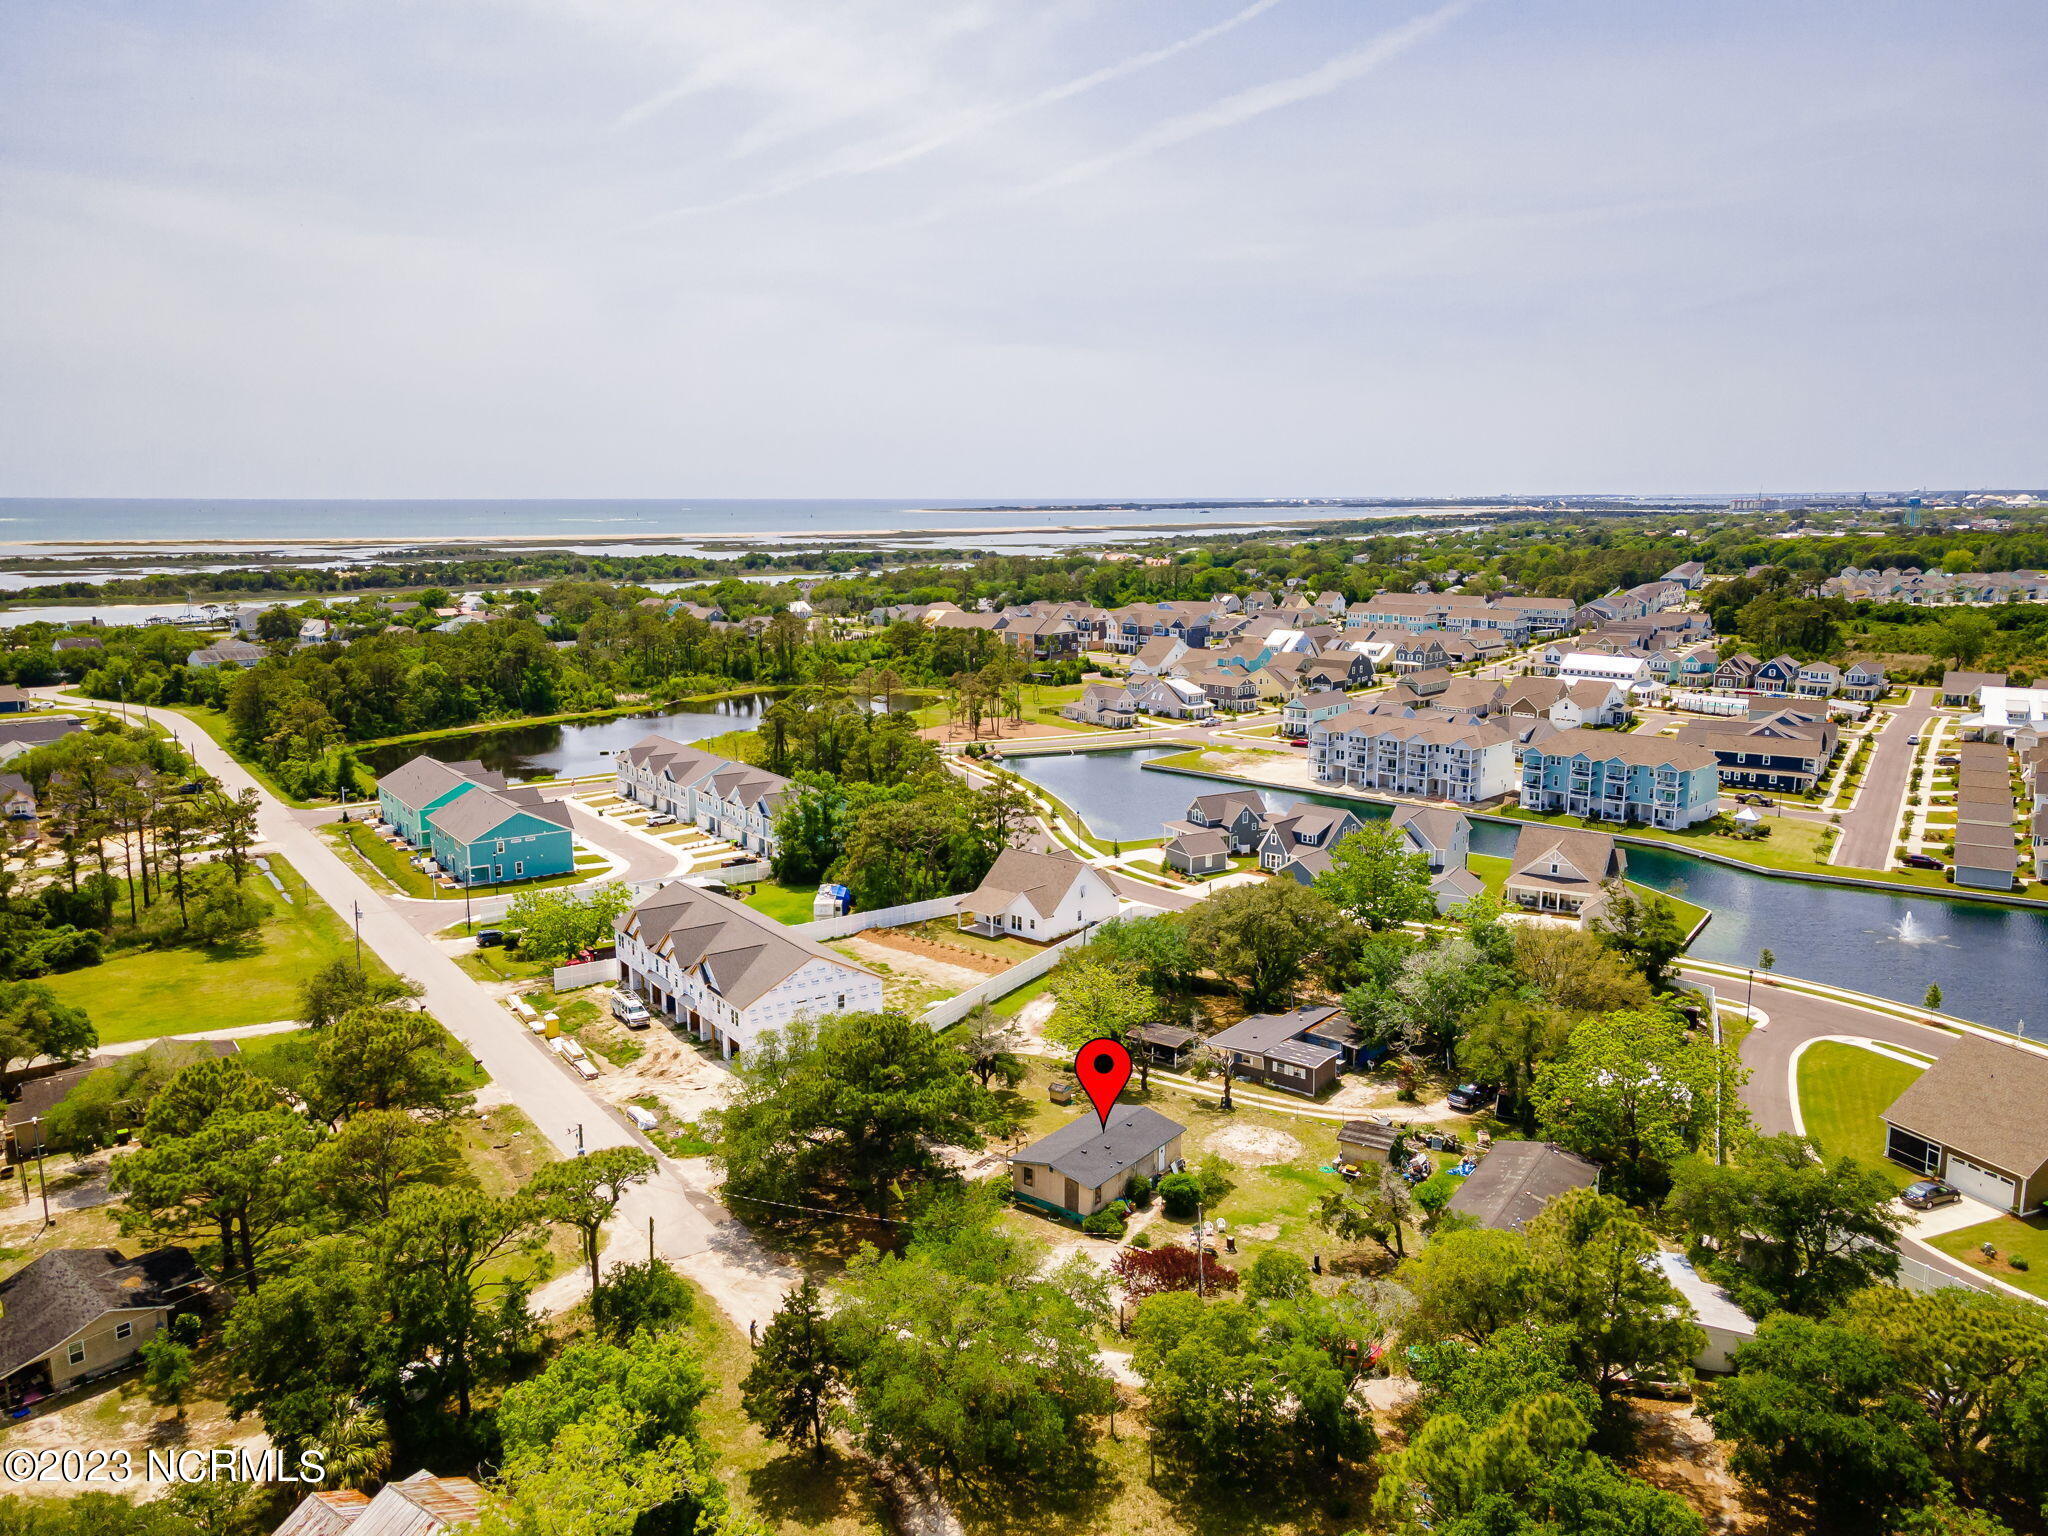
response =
{"points": [[478, 831]]}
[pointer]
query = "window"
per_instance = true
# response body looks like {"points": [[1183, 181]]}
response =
{"points": [[519, 867], [123, 1330], [1028, 1179], [76, 1353], [501, 846]]}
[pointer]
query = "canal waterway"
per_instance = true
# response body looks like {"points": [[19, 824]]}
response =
{"points": [[1991, 962], [577, 747]]}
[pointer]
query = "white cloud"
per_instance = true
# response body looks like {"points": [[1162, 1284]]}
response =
{"points": [[1257, 101]]}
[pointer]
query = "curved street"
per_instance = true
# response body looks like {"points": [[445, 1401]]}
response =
{"points": [[689, 1226]]}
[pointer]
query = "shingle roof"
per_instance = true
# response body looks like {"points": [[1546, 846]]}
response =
{"points": [[482, 811], [1593, 854], [426, 779], [1983, 1099], [1433, 823], [745, 954], [1517, 1179], [1278, 1035], [1637, 751], [1043, 878], [53, 1297], [1092, 1153]]}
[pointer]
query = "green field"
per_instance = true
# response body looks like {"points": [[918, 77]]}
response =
{"points": [[785, 903], [1843, 1091], [140, 993]]}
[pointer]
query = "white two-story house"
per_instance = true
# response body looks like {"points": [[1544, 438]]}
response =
{"points": [[721, 970]]}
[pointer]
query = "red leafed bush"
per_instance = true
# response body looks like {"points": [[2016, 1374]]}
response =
{"points": [[1147, 1272]]}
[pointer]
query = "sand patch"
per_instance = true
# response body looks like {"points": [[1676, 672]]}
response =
{"points": [[1252, 1146]]}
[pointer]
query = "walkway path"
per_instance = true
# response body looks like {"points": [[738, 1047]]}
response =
{"points": [[1867, 828]]}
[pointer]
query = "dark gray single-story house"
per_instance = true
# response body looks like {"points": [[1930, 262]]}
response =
{"points": [[1517, 1179]]}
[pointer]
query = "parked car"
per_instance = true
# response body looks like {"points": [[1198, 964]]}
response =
{"points": [[490, 938], [1922, 861], [1949, 760], [1912, 741], [629, 1010], [1755, 799], [661, 819], [1470, 1098], [1926, 1194]]}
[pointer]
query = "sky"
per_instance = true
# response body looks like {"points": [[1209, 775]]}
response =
{"points": [[1020, 248]]}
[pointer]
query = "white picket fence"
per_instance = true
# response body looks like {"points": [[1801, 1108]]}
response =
{"points": [[952, 1010], [882, 917], [569, 977]]}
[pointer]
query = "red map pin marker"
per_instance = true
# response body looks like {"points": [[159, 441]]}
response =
{"points": [[1104, 1067]]}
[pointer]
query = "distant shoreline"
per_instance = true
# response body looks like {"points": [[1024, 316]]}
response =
{"points": [[548, 540]]}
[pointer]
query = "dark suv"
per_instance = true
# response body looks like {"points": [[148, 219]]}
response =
{"points": [[1470, 1098]]}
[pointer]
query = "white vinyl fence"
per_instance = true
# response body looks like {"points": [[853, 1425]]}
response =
{"points": [[952, 1010], [569, 977], [882, 917]]}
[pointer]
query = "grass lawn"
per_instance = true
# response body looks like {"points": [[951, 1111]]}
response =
{"points": [[1009, 1006], [784, 903], [2010, 1235], [368, 852], [500, 964], [1843, 1089], [138, 993]]}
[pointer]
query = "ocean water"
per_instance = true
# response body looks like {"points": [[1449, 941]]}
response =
{"points": [[57, 524]]}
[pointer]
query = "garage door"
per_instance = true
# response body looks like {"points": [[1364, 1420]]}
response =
{"points": [[1981, 1183]]}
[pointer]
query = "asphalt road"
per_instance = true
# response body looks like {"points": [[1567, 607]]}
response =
{"points": [[1866, 840], [1795, 1018]]}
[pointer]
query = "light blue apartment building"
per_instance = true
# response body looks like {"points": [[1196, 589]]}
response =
{"points": [[1606, 776]]}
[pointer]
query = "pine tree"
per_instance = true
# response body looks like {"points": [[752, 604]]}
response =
{"points": [[797, 1372]]}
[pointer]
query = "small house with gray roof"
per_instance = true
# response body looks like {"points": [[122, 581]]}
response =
{"points": [[1302, 1051], [74, 1314], [1087, 1163], [1517, 1179]]}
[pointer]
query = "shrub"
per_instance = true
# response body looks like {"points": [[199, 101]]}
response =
{"points": [[1107, 1222], [1140, 1192], [1141, 1239], [1179, 1194], [2016, 1260]]}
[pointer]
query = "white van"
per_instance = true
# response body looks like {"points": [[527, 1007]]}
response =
{"points": [[629, 1010]]}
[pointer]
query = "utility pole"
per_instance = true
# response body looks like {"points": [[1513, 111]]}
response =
{"points": [[42, 1173], [359, 935], [1201, 1274], [650, 1241]]}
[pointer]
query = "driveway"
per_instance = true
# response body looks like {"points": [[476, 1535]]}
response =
{"points": [[1866, 840]]}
